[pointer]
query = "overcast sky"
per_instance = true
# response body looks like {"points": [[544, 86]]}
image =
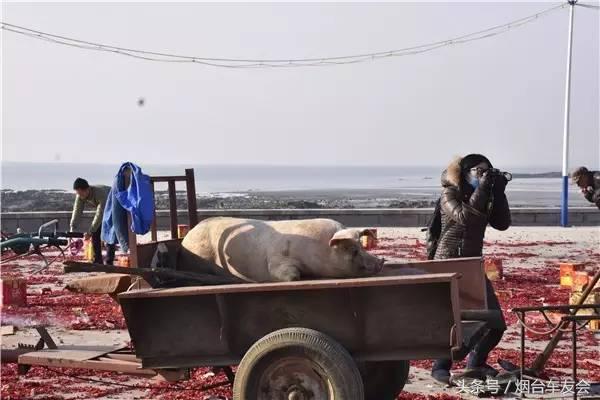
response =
{"points": [[502, 96]]}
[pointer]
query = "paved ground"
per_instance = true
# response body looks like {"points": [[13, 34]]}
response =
{"points": [[530, 257]]}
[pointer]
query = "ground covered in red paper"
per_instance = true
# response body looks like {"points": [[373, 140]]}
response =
{"points": [[531, 277]]}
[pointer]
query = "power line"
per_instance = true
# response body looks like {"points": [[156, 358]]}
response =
{"points": [[277, 63], [592, 6]]}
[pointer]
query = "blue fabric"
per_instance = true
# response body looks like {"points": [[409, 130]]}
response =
{"points": [[114, 222], [137, 199]]}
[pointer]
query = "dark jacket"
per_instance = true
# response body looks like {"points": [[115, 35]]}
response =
{"points": [[465, 214], [594, 195]]}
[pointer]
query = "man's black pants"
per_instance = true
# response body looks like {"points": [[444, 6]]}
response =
{"points": [[97, 245]]}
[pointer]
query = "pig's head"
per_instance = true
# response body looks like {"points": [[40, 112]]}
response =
{"points": [[348, 258]]}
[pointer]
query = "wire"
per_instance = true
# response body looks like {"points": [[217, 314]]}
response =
{"points": [[592, 6], [277, 63]]}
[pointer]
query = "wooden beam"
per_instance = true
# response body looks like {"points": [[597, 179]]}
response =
{"points": [[124, 357], [41, 358], [154, 233], [168, 178], [173, 209], [191, 197], [151, 274], [296, 285], [7, 330]]}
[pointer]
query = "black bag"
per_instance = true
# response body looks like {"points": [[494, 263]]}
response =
{"points": [[434, 230]]}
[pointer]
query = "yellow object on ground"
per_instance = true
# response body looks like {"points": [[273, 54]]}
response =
{"points": [[88, 251]]}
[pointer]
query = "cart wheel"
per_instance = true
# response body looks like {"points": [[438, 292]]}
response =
{"points": [[297, 364], [384, 380]]}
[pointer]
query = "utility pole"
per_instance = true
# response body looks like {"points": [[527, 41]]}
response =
{"points": [[564, 210]]}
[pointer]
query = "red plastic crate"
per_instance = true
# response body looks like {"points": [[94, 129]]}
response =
{"points": [[567, 270], [493, 268], [14, 292]]}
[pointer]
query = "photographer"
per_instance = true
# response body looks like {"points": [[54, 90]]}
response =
{"points": [[472, 196], [589, 183]]}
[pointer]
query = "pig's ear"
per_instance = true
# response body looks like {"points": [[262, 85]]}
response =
{"points": [[367, 232], [352, 235]]}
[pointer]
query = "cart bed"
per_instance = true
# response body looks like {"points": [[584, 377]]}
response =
{"points": [[378, 318]]}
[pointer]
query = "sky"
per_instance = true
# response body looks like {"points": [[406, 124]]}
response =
{"points": [[502, 96]]}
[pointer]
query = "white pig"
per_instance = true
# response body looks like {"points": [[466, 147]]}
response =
{"points": [[260, 251]]}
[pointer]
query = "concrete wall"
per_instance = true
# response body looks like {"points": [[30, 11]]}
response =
{"points": [[404, 217]]}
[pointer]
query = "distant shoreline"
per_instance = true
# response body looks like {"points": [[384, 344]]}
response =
{"points": [[537, 175], [59, 200], [353, 189]]}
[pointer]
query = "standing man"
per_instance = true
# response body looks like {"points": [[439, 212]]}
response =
{"points": [[472, 196], [589, 183], [94, 196]]}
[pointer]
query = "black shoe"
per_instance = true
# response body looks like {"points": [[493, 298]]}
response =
{"points": [[441, 375], [469, 374], [488, 370]]}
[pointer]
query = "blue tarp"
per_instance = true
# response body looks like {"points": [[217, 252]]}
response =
{"points": [[137, 199]]}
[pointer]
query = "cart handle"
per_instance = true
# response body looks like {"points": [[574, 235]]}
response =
{"points": [[53, 222]]}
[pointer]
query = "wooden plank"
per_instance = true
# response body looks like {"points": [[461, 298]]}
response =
{"points": [[472, 287], [168, 178], [191, 198], [124, 357], [111, 365], [150, 275], [74, 354], [405, 316], [105, 283], [7, 330], [153, 229], [99, 349], [173, 209], [124, 362], [298, 285]]}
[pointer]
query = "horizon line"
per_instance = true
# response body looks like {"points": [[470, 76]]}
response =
{"points": [[199, 164]]}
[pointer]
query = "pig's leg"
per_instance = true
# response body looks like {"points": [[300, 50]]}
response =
{"points": [[284, 269]]}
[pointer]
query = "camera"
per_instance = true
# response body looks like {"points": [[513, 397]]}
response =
{"points": [[495, 173]]}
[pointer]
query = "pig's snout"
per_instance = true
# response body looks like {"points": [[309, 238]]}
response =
{"points": [[374, 265], [380, 264]]}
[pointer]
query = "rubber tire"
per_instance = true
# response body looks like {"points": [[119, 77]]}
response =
{"points": [[328, 354], [384, 380]]}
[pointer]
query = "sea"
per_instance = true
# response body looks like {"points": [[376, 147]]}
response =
{"points": [[404, 182]]}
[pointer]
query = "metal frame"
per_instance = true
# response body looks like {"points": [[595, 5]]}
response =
{"points": [[562, 326]]}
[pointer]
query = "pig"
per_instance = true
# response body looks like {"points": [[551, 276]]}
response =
{"points": [[279, 251]]}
